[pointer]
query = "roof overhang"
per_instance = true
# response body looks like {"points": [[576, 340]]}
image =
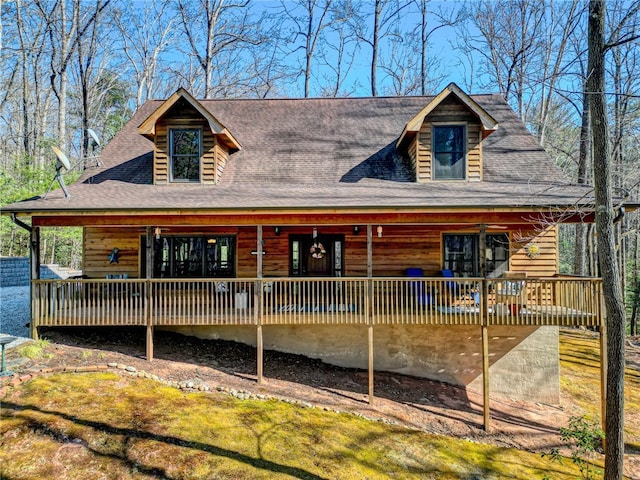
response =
{"points": [[488, 123], [148, 127]]}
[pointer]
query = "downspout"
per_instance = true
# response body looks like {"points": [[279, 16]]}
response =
{"points": [[34, 261], [20, 223]]}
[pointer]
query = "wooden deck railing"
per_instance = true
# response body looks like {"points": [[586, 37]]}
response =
{"points": [[354, 300]]}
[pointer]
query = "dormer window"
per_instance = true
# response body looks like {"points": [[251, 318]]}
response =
{"points": [[449, 154], [185, 152]]}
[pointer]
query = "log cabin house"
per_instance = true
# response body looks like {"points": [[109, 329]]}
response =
{"points": [[414, 234]]}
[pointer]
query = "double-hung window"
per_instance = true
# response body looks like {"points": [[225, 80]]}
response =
{"points": [[185, 148], [449, 154]]}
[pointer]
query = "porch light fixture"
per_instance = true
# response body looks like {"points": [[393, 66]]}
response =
{"points": [[157, 231], [379, 230], [276, 230], [356, 229], [315, 232]]}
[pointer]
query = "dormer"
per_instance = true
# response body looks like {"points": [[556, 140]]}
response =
{"points": [[444, 140], [190, 144]]}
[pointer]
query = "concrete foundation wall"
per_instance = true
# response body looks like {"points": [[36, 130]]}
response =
{"points": [[524, 361]]}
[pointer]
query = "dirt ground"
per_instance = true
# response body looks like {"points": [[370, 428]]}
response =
{"points": [[418, 403]]}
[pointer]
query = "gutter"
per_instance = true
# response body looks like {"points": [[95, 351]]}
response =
{"points": [[20, 223]]}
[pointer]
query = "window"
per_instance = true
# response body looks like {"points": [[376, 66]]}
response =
{"points": [[185, 155], [196, 257], [462, 254], [449, 152]]}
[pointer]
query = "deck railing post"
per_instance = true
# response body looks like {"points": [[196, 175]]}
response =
{"points": [[148, 311], [257, 307], [34, 256]]}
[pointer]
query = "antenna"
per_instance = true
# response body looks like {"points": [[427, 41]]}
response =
{"points": [[62, 163]]}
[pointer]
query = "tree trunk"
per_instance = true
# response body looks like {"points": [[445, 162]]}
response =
{"points": [[614, 419], [374, 48]]}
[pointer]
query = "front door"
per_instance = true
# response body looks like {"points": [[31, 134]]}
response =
{"points": [[316, 257]]}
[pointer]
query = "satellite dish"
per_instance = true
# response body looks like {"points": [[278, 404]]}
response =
{"points": [[62, 158], [63, 162], [94, 136]]}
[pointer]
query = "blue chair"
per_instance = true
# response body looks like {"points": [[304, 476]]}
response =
{"points": [[451, 287], [418, 288]]}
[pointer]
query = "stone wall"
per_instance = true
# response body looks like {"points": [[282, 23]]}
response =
{"points": [[524, 361], [16, 272]]}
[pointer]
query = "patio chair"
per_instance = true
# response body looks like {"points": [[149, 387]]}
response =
{"points": [[512, 292]]}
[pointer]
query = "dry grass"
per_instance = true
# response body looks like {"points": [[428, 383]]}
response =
{"points": [[104, 425]]}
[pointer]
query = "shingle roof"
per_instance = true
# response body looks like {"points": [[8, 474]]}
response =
{"points": [[320, 153]]}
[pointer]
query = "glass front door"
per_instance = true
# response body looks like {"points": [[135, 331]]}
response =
{"points": [[316, 257]]}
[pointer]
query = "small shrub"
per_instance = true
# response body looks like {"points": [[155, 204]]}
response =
{"points": [[585, 437], [85, 354], [34, 350]]}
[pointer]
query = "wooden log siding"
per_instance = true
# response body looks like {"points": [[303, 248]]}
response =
{"points": [[546, 263], [213, 159], [305, 301], [453, 112], [98, 242], [402, 247]]}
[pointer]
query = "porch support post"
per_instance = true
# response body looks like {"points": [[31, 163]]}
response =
{"points": [[149, 342], [484, 318], [485, 377], [149, 254], [369, 309], [482, 257], [604, 364], [257, 305], [35, 273]]}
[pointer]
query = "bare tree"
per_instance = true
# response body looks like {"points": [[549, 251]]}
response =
{"points": [[338, 57], [449, 18], [147, 30], [216, 31], [316, 16], [385, 17], [563, 20], [64, 32]]}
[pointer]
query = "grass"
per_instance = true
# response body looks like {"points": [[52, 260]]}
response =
{"points": [[103, 425], [580, 381]]}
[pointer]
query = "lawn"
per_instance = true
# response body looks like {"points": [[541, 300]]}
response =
{"points": [[108, 425]]}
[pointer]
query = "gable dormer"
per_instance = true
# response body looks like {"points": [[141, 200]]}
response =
{"points": [[190, 144], [444, 140]]}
